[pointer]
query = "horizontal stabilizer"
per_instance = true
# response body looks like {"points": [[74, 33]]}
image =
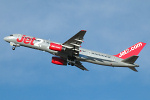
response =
{"points": [[133, 68], [130, 60]]}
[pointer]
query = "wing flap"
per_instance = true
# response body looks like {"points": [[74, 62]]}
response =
{"points": [[79, 65], [133, 68]]}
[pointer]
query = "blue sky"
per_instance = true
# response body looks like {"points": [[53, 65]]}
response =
{"points": [[112, 26]]}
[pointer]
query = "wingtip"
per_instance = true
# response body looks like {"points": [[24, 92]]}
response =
{"points": [[86, 70], [83, 30]]}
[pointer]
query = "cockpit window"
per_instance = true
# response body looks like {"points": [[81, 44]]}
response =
{"points": [[11, 35]]}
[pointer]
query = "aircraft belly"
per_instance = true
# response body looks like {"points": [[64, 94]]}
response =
{"points": [[105, 61], [94, 60], [113, 64]]}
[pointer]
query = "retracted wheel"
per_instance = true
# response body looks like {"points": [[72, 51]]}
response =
{"points": [[72, 64], [69, 63]]}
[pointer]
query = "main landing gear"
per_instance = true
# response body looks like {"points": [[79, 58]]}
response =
{"points": [[71, 61]]}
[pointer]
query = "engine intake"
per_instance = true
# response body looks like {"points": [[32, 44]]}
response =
{"points": [[58, 61], [56, 47]]}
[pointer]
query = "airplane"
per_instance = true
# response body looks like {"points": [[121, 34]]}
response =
{"points": [[71, 53]]}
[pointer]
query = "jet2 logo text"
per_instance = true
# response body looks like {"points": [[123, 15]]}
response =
{"points": [[26, 40]]}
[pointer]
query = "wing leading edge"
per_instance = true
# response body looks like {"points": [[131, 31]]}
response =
{"points": [[74, 43]]}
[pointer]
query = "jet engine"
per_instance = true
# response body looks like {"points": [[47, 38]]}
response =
{"points": [[58, 61], [56, 47]]}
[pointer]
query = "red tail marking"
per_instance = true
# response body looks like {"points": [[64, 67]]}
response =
{"points": [[133, 50]]}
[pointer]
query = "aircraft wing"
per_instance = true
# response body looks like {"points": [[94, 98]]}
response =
{"points": [[73, 45], [74, 42], [79, 65]]}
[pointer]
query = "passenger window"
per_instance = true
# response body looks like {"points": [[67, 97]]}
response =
{"points": [[38, 40], [48, 42]]}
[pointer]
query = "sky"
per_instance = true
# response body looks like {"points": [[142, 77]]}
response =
{"points": [[112, 26]]}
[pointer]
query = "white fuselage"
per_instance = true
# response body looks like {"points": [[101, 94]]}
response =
{"points": [[84, 54]]}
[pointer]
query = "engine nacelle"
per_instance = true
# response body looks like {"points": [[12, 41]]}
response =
{"points": [[58, 61], [56, 47]]}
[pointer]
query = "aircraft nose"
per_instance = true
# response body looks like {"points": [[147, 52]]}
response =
{"points": [[6, 38]]}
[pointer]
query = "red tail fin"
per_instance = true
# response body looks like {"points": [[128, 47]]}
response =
{"points": [[133, 50]]}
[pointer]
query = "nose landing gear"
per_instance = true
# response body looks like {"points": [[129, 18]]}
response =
{"points": [[13, 48], [14, 45]]}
